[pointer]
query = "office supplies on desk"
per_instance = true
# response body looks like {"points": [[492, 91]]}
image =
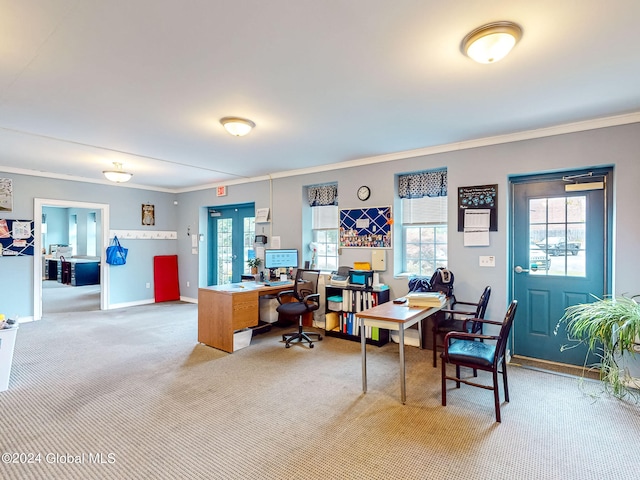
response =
{"points": [[341, 277], [277, 282]]}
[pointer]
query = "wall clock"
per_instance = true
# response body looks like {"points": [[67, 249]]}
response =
{"points": [[364, 193]]}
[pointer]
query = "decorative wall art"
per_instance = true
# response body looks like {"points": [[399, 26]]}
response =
{"points": [[16, 238], [366, 227], [148, 214], [482, 197], [6, 195]]}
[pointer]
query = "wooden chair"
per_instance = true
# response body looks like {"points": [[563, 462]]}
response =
{"points": [[302, 299], [456, 319], [464, 349]]}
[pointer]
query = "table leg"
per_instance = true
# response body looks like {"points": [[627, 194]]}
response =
{"points": [[363, 340], [420, 333], [403, 388]]}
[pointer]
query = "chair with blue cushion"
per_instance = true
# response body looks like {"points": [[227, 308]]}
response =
{"points": [[464, 349], [459, 317], [304, 298]]}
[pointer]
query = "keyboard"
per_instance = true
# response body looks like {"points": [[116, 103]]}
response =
{"points": [[276, 283]]}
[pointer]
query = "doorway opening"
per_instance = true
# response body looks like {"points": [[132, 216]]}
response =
{"points": [[231, 232], [560, 233], [87, 239]]}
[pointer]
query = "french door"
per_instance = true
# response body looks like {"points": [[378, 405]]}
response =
{"points": [[232, 231], [560, 257]]}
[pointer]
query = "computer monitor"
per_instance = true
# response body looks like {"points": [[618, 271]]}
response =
{"points": [[280, 258]]}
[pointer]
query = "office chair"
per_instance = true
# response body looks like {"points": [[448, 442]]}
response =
{"points": [[464, 349], [302, 299], [455, 319]]}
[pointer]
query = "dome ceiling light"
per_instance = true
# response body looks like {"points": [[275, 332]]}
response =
{"points": [[237, 126], [118, 175], [492, 42]]}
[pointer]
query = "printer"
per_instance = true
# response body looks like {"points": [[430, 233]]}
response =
{"points": [[341, 277]]}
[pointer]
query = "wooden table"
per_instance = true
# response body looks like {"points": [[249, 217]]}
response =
{"points": [[222, 309], [392, 317]]}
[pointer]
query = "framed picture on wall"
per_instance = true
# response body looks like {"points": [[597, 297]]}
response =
{"points": [[148, 214], [6, 195]]}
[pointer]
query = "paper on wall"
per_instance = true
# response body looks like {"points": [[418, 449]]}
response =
{"points": [[476, 227]]}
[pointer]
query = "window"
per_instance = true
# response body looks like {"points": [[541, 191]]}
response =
{"points": [[92, 233], [73, 233], [249, 235], [323, 200], [325, 237], [424, 222]]}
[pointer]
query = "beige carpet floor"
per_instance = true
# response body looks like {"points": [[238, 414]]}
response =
{"points": [[130, 394]]}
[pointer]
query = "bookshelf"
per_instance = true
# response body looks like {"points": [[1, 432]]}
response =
{"points": [[340, 317]]}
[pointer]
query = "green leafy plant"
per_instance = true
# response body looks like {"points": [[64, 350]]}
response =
{"points": [[254, 262], [610, 328]]}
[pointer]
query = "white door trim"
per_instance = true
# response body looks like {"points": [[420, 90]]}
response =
{"points": [[39, 203]]}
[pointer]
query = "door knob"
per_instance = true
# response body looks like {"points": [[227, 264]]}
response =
{"points": [[519, 269]]}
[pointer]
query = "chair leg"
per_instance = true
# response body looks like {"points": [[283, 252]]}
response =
{"points": [[435, 349], [457, 376], [300, 336], [504, 379], [444, 383], [496, 394]]}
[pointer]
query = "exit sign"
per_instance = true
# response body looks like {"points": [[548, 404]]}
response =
{"points": [[221, 191]]}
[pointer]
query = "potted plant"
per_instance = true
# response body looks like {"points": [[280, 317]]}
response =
{"points": [[610, 328], [254, 263]]}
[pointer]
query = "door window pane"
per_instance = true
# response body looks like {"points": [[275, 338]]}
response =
{"points": [[557, 232], [225, 251]]}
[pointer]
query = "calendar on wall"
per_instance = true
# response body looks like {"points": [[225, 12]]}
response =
{"points": [[366, 227]]}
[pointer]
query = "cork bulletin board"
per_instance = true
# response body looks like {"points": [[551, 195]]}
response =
{"points": [[366, 227], [16, 238]]}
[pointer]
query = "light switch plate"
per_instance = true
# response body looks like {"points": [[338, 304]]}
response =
{"points": [[487, 261]]}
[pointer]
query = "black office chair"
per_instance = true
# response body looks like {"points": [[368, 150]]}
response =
{"points": [[464, 349], [304, 298], [455, 319]]}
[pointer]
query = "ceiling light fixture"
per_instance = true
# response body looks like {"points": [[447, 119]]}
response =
{"points": [[118, 175], [491, 42], [237, 126]]}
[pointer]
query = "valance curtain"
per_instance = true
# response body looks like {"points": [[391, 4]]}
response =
{"points": [[423, 184], [322, 195]]}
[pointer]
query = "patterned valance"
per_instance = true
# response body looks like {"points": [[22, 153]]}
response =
{"points": [[322, 195], [423, 184]]}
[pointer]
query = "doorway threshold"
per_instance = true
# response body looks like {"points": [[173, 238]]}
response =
{"points": [[555, 367]]}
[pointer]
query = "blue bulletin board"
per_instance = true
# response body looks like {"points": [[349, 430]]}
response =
{"points": [[16, 238], [366, 227]]}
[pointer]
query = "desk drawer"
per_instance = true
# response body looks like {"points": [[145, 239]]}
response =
{"points": [[245, 311]]}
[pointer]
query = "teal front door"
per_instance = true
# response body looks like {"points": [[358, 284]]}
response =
{"points": [[232, 231], [560, 257]]}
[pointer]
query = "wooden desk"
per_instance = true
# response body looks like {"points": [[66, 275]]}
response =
{"points": [[392, 317], [222, 309]]}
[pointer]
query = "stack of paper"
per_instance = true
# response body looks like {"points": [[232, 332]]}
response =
{"points": [[426, 299]]}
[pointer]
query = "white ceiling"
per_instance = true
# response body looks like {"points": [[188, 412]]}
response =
{"points": [[84, 83]]}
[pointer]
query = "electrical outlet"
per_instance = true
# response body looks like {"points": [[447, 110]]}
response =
{"points": [[148, 285], [188, 284], [487, 261]]}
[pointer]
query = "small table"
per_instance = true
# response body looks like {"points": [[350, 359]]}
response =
{"points": [[392, 317]]}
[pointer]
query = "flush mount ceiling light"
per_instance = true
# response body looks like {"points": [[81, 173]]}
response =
{"points": [[118, 175], [491, 42], [237, 126]]}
